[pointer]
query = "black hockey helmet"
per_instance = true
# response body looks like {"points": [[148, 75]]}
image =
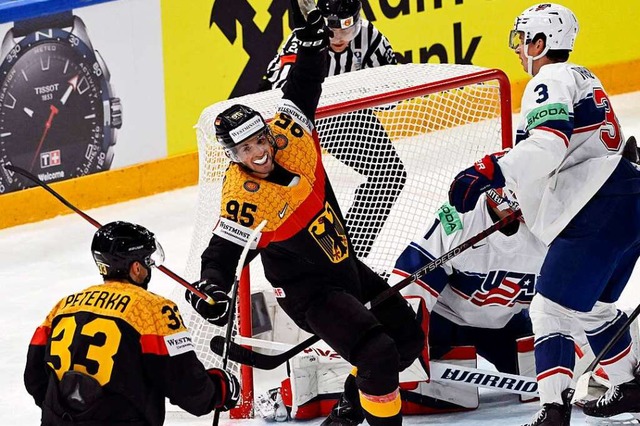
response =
{"points": [[340, 13], [117, 245], [236, 124]]}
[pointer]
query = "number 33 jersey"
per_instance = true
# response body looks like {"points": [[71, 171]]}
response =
{"points": [[132, 342]]}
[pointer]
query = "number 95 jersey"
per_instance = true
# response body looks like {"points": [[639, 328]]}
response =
{"points": [[304, 247], [132, 342]]}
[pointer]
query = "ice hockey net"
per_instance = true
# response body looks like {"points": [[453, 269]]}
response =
{"points": [[397, 136]]}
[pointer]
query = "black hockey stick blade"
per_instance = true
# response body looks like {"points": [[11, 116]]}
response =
{"points": [[246, 356]]}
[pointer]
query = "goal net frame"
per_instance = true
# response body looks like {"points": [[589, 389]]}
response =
{"points": [[390, 91]]}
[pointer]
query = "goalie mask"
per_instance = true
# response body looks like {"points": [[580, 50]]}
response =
{"points": [[343, 18], [558, 24], [117, 245]]}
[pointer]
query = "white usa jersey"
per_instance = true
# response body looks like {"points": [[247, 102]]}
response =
{"points": [[568, 143], [483, 286]]}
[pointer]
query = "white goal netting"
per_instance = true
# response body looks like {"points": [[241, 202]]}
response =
{"points": [[393, 139]]}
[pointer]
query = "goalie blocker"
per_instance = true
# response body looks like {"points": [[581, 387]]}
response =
{"points": [[317, 378]]}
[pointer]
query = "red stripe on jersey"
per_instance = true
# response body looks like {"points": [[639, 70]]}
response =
{"points": [[153, 344], [555, 132], [41, 336], [287, 59], [459, 293], [307, 210], [525, 344], [588, 128]]}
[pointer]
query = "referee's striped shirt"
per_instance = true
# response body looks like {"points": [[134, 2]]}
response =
{"points": [[367, 49]]}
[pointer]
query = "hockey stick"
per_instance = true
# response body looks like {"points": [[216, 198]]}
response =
{"points": [[268, 362], [97, 224], [442, 372], [234, 298], [582, 384]]}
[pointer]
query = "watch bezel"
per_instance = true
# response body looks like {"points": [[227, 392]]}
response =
{"points": [[77, 39]]}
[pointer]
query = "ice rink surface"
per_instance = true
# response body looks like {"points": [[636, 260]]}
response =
{"points": [[44, 261]]}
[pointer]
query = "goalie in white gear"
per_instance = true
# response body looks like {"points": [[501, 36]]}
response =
{"points": [[581, 196], [479, 298]]}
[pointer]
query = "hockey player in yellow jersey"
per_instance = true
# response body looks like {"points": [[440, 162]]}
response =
{"points": [[276, 173], [110, 354]]}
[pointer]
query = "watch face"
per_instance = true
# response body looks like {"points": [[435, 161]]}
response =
{"points": [[53, 100]]}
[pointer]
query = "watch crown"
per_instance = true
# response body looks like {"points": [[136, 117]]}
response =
{"points": [[116, 113]]}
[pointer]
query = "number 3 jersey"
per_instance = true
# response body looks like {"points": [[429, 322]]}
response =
{"points": [[483, 286], [568, 143], [132, 342]]}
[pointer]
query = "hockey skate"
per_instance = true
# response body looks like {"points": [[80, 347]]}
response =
{"points": [[347, 411], [344, 413], [554, 414], [624, 398]]}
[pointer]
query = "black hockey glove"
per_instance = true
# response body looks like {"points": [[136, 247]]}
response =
{"points": [[227, 389], [216, 314], [314, 36]]}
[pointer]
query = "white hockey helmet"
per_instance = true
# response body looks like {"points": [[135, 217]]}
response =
{"points": [[556, 22]]}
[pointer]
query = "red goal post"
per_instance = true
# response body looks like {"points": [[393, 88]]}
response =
{"points": [[393, 139]]}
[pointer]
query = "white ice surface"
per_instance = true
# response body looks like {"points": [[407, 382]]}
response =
{"points": [[41, 262]]}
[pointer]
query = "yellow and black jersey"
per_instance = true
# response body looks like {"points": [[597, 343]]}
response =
{"points": [[287, 209], [132, 342], [304, 247]]}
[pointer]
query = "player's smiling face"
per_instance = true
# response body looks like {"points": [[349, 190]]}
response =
{"points": [[256, 153]]}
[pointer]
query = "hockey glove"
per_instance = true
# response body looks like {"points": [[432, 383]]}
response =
{"points": [[216, 314], [314, 36], [470, 183], [227, 389]]}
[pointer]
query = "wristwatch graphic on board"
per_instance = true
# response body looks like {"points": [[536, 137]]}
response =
{"points": [[58, 118]]}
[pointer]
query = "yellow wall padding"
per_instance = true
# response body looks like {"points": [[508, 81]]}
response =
{"points": [[113, 186]]}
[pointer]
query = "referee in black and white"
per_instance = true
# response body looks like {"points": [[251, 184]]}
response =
{"points": [[356, 44]]}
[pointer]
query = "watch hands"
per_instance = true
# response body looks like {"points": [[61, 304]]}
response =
{"points": [[47, 126], [73, 84]]}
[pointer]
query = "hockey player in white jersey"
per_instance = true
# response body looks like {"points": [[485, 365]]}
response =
{"points": [[479, 298], [581, 197]]}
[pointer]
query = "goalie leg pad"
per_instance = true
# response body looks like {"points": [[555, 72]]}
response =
{"points": [[316, 380], [435, 397]]}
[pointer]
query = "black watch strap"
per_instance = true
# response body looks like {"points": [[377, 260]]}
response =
{"points": [[58, 20]]}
